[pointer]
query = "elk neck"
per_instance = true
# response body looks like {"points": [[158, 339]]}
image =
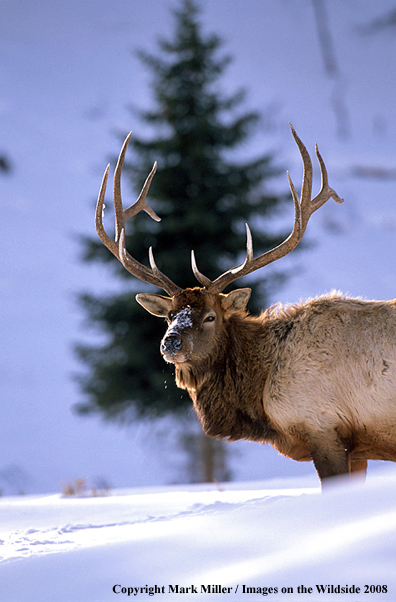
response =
{"points": [[227, 387]]}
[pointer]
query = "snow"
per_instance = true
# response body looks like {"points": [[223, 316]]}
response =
{"points": [[181, 321], [274, 534]]}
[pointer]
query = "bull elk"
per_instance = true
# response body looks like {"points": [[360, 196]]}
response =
{"points": [[317, 380]]}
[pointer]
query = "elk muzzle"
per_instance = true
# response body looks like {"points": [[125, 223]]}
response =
{"points": [[176, 346]]}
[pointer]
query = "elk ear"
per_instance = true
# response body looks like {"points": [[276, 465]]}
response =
{"points": [[155, 304], [236, 300]]}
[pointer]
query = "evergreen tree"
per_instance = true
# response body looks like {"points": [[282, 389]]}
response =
{"points": [[204, 196]]}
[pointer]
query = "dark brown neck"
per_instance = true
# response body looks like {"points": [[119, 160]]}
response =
{"points": [[227, 388]]}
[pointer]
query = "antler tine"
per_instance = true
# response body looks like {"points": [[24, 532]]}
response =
{"points": [[308, 206], [249, 252], [325, 191], [303, 209], [106, 240], [118, 208], [117, 247], [166, 283], [306, 187], [198, 275], [141, 204]]}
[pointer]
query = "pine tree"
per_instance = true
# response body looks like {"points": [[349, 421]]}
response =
{"points": [[204, 195]]}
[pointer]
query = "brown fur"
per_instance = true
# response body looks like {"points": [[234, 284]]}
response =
{"points": [[317, 380]]}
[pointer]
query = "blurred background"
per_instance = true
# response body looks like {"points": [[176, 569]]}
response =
{"points": [[71, 85]]}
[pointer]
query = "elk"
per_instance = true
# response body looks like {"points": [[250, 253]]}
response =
{"points": [[316, 380]]}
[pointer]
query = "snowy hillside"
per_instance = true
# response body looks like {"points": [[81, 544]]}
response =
{"points": [[206, 542]]}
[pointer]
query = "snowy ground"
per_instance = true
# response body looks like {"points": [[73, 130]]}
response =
{"points": [[241, 537]]}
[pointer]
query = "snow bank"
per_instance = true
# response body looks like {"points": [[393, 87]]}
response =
{"points": [[202, 542]]}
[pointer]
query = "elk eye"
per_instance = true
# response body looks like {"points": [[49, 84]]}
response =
{"points": [[209, 319]]}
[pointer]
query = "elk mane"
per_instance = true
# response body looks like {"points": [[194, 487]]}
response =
{"points": [[221, 384]]}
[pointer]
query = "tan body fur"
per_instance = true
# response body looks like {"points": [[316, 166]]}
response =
{"points": [[335, 380]]}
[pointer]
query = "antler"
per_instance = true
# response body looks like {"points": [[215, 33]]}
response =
{"points": [[117, 246], [303, 209]]}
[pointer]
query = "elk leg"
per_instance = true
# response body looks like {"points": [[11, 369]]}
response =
{"points": [[329, 455], [359, 468]]}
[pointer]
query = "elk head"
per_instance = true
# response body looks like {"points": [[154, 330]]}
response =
{"points": [[196, 315]]}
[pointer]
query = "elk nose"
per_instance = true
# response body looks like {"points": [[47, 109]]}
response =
{"points": [[171, 344]]}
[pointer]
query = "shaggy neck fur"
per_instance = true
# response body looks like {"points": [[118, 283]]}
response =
{"points": [[227, 387]]}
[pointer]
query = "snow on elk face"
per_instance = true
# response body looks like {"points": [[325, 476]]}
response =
{"points": [[192, 324], [177, 344], [191, 335], [196, 320]]}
